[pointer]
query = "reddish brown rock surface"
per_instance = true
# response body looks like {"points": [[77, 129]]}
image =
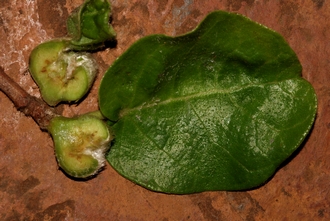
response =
{"points": [[32, 187]]}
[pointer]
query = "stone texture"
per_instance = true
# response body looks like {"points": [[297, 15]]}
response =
{"points": [[33, 188]]}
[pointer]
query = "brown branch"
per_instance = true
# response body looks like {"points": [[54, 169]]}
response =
{"points": [[29, 105]]}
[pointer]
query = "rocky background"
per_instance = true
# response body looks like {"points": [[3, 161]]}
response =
{"points": [[33, 188]]}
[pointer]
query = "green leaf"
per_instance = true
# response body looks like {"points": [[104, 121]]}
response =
{"points": [[219, 108], [88, 25]]}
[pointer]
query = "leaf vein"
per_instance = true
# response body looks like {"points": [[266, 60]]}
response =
{"points": [[192, 96], [215, 143], [152, 140]]}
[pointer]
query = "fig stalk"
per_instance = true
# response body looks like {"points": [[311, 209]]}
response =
{"points": [[29, 105]]}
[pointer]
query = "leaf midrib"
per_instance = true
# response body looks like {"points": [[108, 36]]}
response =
{"points": [[231, 90]]}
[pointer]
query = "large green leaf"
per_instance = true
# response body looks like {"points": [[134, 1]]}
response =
{"points": [[219, 108]]}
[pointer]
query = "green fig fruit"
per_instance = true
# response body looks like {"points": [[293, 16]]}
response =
{"points": [[61, 75], [80, 144]]}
